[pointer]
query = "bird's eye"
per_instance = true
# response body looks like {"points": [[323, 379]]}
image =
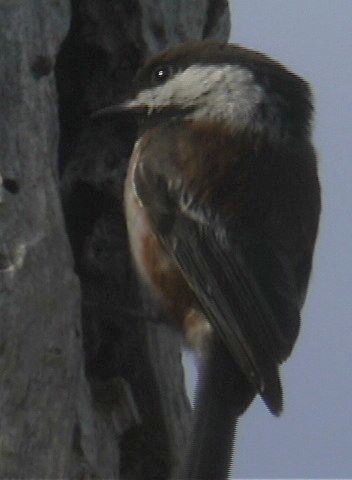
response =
{"points": [[161, 73]]}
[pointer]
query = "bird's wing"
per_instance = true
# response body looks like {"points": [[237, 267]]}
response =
{"points": [[243, 286]]}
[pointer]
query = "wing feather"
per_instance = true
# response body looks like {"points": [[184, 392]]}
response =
{"points": [[243, 286]]}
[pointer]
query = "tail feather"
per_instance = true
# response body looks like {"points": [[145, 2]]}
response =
{"points": [[272, 393], [223, 395]]}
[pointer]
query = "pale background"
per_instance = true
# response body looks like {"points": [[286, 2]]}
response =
{"points": [[313, 437]]}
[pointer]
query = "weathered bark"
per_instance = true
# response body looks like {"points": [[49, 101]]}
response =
{"points": [[112, 406], [40, 343]]}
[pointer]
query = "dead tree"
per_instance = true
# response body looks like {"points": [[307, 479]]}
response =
{"points": [[90, 386]]}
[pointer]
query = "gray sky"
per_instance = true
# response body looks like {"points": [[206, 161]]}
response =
{"points": [[313, 437]]}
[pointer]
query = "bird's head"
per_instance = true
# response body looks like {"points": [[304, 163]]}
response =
{"points": [[228, 84]]}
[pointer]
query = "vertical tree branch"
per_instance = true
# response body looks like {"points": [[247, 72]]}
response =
{"points": [[112, 405]]}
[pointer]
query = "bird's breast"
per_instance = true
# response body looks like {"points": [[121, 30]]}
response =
{"points": [[156, 269], [138, 225]]}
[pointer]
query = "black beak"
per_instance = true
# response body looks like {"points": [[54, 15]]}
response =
{"points": [[111, 110], [123, 108]]}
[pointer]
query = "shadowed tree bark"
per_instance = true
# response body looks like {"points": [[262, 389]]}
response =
{"points": [[89, 386]]}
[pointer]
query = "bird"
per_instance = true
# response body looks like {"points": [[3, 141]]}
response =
{"points": [[222, 203]]}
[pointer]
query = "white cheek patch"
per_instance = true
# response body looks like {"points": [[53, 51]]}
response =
{"points": [[220, 92]]}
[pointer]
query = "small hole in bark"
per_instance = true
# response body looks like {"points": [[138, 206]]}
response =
{"points": [[11, 185], [5, 262], [158, 31], [41, 67]]}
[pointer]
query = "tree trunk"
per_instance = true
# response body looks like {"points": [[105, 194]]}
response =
{"points": [[90, 387]]}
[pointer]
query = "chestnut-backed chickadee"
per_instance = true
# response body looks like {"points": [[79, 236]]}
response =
{"points": [[222, 204]]}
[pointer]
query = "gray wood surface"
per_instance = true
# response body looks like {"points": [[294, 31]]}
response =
{"points": [[89, 386]]}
